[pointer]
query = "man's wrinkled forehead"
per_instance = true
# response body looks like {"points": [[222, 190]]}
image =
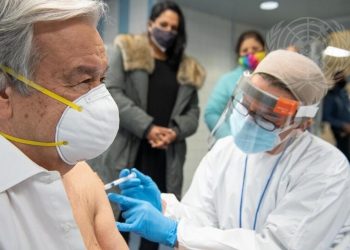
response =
{"points": [[68, 48], [86, 69], [69, 38]]}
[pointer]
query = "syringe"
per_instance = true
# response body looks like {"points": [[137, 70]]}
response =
{"points": [[119, 181]]}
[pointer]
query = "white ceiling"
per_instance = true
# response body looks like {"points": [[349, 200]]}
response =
{"points": [[248, 12]]}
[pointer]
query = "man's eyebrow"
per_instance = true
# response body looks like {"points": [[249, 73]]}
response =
{"points": [[85, 69]]}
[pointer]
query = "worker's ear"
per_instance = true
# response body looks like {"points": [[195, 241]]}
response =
{"points": [[306, 124], [5, 103]]}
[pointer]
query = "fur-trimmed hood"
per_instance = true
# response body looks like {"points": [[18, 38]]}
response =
{"points": [[137, 54]]}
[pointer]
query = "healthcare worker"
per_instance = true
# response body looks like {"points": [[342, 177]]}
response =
{"points": [[271, 185]]}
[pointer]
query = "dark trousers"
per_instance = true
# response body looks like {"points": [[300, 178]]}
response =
{"points": [[145, 244], [151, 162]]}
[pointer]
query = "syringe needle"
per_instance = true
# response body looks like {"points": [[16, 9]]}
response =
{"points": [[119, 181]]}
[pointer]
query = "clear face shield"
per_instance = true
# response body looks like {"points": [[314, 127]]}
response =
{"points": [[256, 118]]}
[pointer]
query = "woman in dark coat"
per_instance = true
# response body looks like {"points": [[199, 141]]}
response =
{"points": [[155, 86]]}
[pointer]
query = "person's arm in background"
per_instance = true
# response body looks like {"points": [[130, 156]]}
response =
{"points": [[218, 100], [216, 103], [329, 109], [132, 117]]}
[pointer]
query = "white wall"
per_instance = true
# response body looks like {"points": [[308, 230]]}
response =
{"points": [[138, 16]]}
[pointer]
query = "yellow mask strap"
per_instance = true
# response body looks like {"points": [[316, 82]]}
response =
{"points": [[40, 88], [33, 143]]}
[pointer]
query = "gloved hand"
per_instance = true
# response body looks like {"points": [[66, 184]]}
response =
{"points": [[142, 187], [144, 219]]}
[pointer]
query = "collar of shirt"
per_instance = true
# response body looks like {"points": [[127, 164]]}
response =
{"points": [[15, 166]]}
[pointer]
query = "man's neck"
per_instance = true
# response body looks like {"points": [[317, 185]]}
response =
{"points": [[45, 157]]}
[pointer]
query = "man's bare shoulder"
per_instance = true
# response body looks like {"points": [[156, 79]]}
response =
{"points": [[92, 209], [82, 170]]}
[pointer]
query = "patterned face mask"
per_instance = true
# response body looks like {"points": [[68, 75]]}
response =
{"points": [[250, 61], [163, 39]]}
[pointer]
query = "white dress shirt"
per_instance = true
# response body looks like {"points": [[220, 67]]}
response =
{"points": [[35, 212]]}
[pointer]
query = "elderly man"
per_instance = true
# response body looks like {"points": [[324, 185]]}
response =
{"points": [[54, 112], [271, 185]]}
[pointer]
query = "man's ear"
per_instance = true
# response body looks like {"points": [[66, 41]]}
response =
{"points": [[5, 103], [306, 124]]}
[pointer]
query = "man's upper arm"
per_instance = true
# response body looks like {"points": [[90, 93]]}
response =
{"points": [[107, 234]]}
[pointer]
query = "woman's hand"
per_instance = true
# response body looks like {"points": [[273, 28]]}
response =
{"points": [[160, 137]]}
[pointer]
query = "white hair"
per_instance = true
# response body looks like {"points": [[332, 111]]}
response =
{"points": [[17, 18]]}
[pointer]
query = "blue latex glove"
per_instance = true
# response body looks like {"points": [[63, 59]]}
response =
{"points": [[142, 187], [144, 219]]}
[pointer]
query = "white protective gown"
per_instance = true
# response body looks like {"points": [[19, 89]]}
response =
{"points": [[305, 207]]}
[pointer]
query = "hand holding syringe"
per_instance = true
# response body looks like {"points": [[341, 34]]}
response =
{"points": [[142, 187], [119, 181]]}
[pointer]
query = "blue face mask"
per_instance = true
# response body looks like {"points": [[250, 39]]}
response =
{"points": [[249, 137]]}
